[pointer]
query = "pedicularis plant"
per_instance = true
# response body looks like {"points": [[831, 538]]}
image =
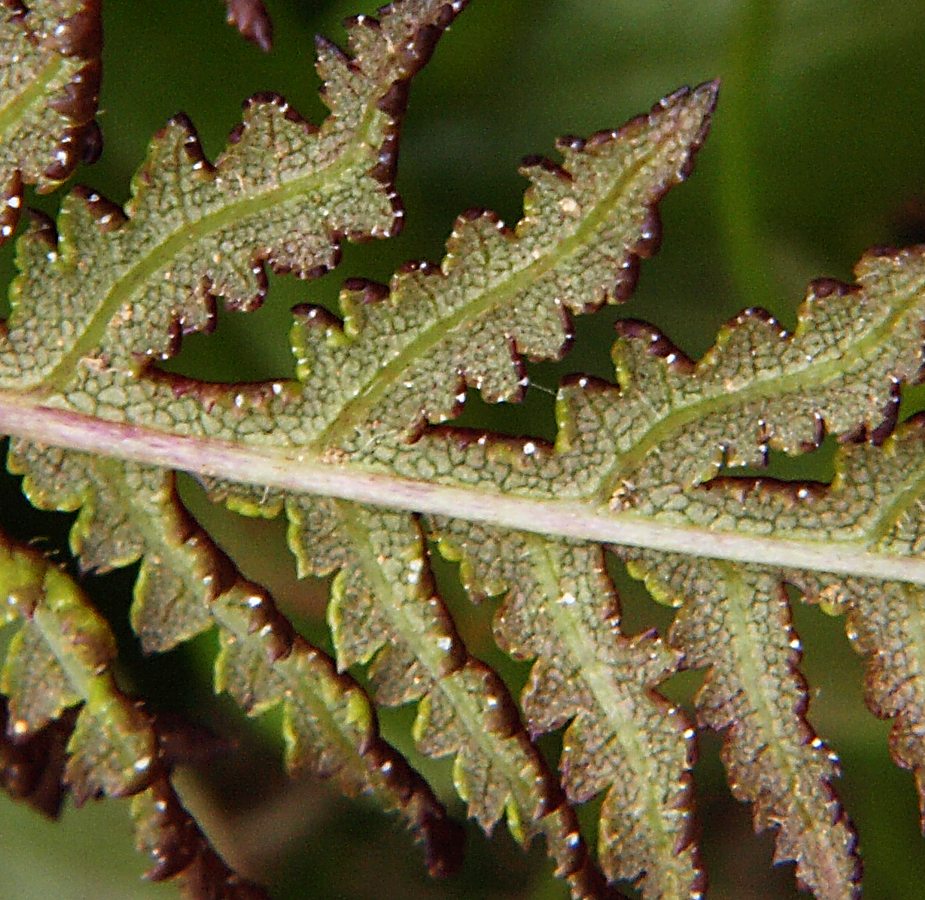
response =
{"points": [[361, 455]]}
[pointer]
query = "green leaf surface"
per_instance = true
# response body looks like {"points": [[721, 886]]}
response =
{"points": [[385, 610], [363, 443], [736, 621], [49, 84], [61, 657], [623, 737]]}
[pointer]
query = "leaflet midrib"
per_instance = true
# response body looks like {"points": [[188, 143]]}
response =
{"points": [[467, 713], [12, 113], [773, 387], [356, 409], [158, 256]]}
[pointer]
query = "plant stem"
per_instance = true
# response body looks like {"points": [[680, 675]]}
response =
{"points": [[297, 471]]}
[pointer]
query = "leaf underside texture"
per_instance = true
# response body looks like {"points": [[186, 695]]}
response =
{"points": [[49, 86], [94, 740], [105, 295]]}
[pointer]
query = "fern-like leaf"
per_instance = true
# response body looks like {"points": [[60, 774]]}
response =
{"points": [[736, 621], [584, 230], [498, 295], [603, 204], [49, 86], [60, 660], [636, 464], [119, 287], [385, 609], [186, 585], [624, 738], [603, 207]]}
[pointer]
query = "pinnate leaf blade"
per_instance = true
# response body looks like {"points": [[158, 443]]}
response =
{"points": [[99, 305], [624, 739], [385, 609], [113, 747], [374, 379], [124, 286], [186, 585], [736, 621], [402, 355]]}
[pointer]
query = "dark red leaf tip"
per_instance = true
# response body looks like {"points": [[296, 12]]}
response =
{"points": [[253, 21]]}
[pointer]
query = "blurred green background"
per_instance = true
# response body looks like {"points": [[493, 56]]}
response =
{"points": [[816, 153]]}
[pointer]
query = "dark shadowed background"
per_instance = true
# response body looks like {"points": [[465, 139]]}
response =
{"points": [[817, 151]]}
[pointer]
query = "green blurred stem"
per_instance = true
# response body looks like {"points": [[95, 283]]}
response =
{"points": [[745, 75]]}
